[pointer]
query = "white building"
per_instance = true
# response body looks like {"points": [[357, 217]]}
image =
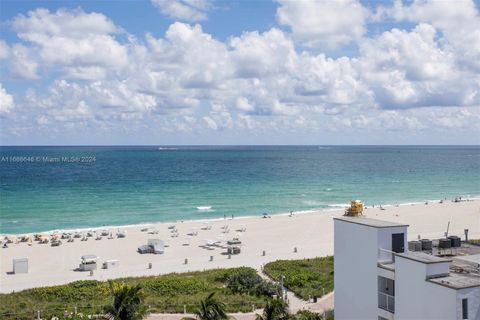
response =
{"points": [[376, 278]]}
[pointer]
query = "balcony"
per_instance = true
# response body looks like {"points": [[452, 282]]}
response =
{"points": [[386, 302], [386, 294]]}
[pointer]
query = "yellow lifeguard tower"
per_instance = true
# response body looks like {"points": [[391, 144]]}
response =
{"points": [[355, 209]]}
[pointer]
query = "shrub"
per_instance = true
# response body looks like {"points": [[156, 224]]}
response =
{"points": [[307, 277], [247, 281], [166, 293]]}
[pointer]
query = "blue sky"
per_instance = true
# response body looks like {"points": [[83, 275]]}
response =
{"points": [[239, 72]]}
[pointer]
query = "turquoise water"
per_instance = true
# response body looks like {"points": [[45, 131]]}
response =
{"points": [[95, 186]]}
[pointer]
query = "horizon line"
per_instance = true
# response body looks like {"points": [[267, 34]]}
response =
{"points": [[242, 145]]}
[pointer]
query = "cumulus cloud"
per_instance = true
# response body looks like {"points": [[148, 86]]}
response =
{"points": [[410, 69], [324, 24], [257, 55], [459, 22], [74, 38], [4, 50], [188, 81], [23, 64], [185, 10], [6, 101]]}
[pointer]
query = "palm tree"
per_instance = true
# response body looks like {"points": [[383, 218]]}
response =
{"points": [[308, 315], [211, 309], [275, 309], [127, 303]]}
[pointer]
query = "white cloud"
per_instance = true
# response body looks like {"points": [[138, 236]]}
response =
{"points": [[38, 24], [85, 73], [72, 38], [6, 101], [22, 63], [185, 10], [258, 55], [189, 82], [243, 104], [211, 124], [323, 24], [410, 69], [4, 50], [459, 22]]}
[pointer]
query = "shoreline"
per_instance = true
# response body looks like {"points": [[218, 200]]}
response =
{"points": [[335, 207], [305, 235]]}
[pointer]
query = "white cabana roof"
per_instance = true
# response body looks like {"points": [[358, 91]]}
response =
{"points": [[89, 258]]}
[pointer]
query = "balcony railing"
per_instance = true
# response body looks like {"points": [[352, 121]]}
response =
{"points": [[385, 256], [386, 302]]}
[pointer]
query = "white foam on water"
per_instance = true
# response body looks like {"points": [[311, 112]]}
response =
{"points": [[313, 203], [205, 208], [331, 207], [339, 205]]}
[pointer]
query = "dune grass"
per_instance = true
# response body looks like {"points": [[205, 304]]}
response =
{"points": [[306, 277], [166, 293]]}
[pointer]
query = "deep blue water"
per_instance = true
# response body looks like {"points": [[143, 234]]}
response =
{"points": [[129, 185]]}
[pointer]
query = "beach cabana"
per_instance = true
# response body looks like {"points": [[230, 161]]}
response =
{"points": [[145, 249], [43, 238], [157, 245], [20, 265], [121, 233], [234, 241], [109, 264], [233, 250], [11, 239], [88, 262]]}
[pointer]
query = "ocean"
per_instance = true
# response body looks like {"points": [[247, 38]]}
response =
{"points": [[49, 188]]}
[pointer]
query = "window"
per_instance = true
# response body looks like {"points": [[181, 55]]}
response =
{"points": [[464, 308], [398, 244], [386, 285], [386, 294]]}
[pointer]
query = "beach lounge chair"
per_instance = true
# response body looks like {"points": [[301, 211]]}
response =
{"points": [[121, 234]]}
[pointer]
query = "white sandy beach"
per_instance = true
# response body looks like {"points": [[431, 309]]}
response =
{"points": [[311, 233]]}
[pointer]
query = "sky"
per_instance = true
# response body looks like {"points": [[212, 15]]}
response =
{"points": [[171, 72]]}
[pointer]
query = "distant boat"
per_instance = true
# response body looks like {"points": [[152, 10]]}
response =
{"points": [[166, 148]]}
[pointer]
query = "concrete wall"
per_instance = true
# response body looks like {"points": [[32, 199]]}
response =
{"points": [[473, 296], [436, 269], [416, 298], [385, 241], [355, 250]]}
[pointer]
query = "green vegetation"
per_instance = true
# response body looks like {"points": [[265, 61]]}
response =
{"points": [[247, 281], [211, 309], [309, 315], [167, 293], [127, 302], [307, 277], [474, 241], [275, 309]]}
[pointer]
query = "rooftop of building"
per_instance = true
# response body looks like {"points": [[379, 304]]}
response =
{"points": [[468, 259], [422, 257], [458, 280], [371, 222], [464, 268]]}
